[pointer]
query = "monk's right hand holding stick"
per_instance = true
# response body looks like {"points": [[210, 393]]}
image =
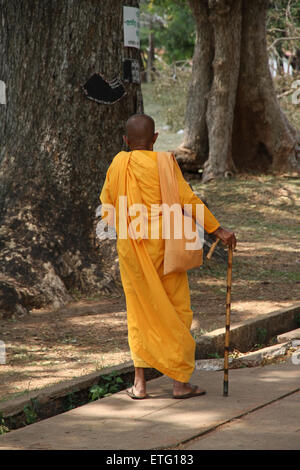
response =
{"points": [[226, 237]]}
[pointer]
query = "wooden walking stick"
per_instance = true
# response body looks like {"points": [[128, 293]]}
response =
{"points": [[227, 327]]}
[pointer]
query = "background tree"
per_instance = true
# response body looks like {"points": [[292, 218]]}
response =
{"points": [[55, 145], [283, 32], [233, 118], [172, 27]]}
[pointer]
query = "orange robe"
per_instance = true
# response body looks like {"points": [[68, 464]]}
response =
{"points": [[159, 314]]}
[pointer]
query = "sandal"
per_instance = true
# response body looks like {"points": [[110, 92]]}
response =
{"points": [[132, 395]]}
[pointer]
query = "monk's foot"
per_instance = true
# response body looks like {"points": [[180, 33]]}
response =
{"points": [[186, 390], [137, 393], [139, 387]]}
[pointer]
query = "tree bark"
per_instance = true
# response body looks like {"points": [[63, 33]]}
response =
{"points": [[225, 16], [261, 129], [233, 119], [196, 136], [56, 145]]}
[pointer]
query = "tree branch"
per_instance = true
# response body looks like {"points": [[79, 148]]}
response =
{"points": [[283, 39]]}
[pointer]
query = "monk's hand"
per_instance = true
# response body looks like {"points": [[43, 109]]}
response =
{"points": [[226, 237]]}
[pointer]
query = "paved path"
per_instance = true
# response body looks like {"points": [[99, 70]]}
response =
{"points": [[264, 403], [274, 427]]}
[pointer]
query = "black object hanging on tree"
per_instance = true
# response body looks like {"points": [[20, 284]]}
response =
{"points": [[98, 89]]}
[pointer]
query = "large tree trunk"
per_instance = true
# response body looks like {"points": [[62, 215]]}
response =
{"points": [[262, 138], [225, 16], [233, 118], [56, 145], [196, 136]]}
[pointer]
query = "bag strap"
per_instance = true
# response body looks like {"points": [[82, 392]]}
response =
{"points": [[167, 178]]}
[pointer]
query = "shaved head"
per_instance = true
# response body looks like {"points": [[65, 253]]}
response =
{"points": [[140, 131]]}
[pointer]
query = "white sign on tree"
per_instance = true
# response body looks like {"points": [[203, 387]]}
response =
{"points": [[2, 92], [131, 18]]}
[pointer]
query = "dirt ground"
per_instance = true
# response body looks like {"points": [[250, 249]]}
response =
{"points": [[49, 346]]}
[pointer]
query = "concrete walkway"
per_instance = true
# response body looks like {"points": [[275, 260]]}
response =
{"points": [[263, 402], [274, 427]]}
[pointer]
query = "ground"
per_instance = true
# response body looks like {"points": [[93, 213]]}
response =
{"points": [[89, 334]]}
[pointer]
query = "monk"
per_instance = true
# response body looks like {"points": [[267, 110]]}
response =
{"points": [[159, 314]]}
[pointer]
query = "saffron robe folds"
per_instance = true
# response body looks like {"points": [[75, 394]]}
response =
{"points": [[159, 314]]}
